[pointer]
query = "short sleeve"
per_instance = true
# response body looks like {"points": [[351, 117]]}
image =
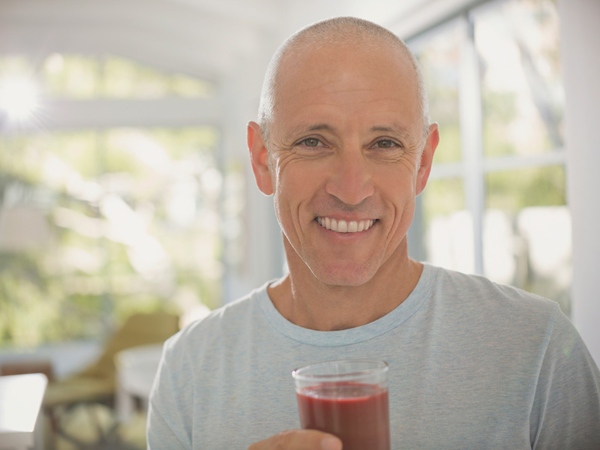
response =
{"points": [[169, 407], [566, 410]]}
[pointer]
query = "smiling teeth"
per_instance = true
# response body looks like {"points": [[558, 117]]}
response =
{"points": [[343, 226]]}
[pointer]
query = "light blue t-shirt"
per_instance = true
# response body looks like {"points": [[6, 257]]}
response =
{"points": [[473, 365]]}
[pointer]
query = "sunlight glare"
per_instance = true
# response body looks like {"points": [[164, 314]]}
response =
{"points": [[18, 97]]}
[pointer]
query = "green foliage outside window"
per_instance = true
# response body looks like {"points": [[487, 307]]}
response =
{"points": [[92, 268], [82, 77], [517, 189]]}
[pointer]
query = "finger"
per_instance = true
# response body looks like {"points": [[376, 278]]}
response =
{"points": [[299, 440]]}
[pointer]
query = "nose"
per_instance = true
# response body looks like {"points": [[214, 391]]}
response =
{"points": [[351, 178]]}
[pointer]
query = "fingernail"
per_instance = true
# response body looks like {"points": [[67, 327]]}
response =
{"points": [[330, 443]]}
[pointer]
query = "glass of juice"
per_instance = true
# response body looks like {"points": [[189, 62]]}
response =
{"points": [[347, 398]]}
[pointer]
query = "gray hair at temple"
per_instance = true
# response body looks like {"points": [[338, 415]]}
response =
{"points": [[332, 31]]}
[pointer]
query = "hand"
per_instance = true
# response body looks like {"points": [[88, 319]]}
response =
{"points": [[299, 440]]}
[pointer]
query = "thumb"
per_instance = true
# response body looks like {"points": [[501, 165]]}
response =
{"points": [[330, 442]]}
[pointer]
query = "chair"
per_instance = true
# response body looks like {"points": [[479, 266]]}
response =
{"points": [[96, 384]]}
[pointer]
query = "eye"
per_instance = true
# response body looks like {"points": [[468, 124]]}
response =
{"points": [[310, 142], [386, 143]]}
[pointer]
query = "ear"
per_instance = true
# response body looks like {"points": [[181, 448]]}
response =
{"points": [[260, 159], [433, 138]]}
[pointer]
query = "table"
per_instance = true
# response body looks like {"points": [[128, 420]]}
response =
{"points": [[136, 369], [21, 420]]}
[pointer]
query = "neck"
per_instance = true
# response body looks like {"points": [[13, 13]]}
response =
{"points": [[310, 303]]}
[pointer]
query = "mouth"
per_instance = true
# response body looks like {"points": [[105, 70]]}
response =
{"points": [[345, 226]]}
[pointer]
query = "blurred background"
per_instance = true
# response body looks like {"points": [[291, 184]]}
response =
{"points": [[125, 184]]}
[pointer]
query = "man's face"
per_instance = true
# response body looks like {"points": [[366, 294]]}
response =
{"points": [[344, 155]]}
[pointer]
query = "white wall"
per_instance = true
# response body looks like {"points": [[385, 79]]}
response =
{"points": [[580, 47]]}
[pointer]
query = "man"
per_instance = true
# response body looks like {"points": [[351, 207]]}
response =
{"points": [[344, 145]]}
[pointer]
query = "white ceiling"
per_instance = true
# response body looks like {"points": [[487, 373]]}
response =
{"points": [[199, 37]]}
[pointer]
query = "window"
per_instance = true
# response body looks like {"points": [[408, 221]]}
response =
{"points": [[98, 223], [496, 200]]}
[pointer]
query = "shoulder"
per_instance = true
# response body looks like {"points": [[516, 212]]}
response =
{"points": [[526, 324], [224, 323], [481, 290], [477, 299]]}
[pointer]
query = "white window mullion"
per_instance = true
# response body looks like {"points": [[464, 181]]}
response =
{"points": [[471, 124]]}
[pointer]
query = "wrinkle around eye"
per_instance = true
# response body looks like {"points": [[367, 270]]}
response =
{"points": [[394, 154]]}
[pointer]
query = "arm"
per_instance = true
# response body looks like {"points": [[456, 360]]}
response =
{"points": [[167, 410], [566, 409], [160, 434]]}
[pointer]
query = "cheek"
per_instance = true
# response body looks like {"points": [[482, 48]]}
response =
{"points": [[283, 170], [295, 179], [291, 190], [400, 192], [398, 185]]}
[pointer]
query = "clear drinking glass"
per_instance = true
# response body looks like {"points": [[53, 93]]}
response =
{"points": [[346, 398]]}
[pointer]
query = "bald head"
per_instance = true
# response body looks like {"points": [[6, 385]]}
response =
{"points": [[340, 31]]}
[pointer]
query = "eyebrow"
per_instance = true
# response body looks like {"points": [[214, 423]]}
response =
{"points": [[320, 126], [394, 128]]}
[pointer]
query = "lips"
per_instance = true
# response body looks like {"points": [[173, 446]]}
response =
{"points": [[344, 226]]}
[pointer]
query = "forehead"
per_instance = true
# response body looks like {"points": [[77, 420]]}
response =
{"points": [[346, 76]]}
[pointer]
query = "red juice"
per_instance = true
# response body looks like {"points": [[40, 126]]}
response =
{"points": [[357, 413]]}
